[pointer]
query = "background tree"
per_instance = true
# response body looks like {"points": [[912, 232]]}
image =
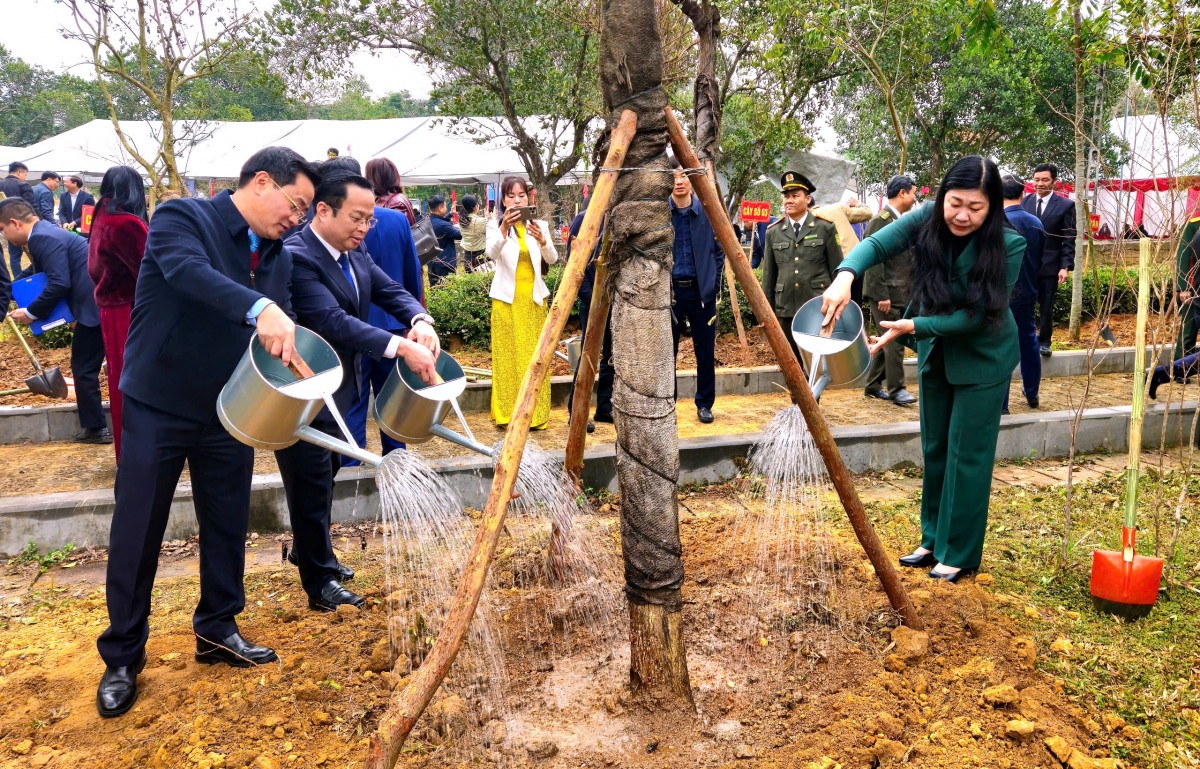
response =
{"points": [[36, 103], [154, 49], [512, 60]]}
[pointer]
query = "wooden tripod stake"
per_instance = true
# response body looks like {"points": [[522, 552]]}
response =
{"points": [[589, 364], [407, 704], [794, 376]]}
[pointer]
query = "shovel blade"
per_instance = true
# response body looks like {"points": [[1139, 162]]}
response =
{"points": [[1127, 588], [48, 382]]}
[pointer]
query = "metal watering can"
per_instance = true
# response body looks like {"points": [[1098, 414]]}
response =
{"points": [[574, 352], [409, 410], [840, 359], [266, 406]]}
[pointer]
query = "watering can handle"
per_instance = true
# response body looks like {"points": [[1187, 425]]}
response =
{"points": [[299, 367]]}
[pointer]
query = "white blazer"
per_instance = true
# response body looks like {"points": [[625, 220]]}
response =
{"points": [[505, 252]]}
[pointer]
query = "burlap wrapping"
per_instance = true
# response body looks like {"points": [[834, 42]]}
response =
{"points": [[640, 265]]}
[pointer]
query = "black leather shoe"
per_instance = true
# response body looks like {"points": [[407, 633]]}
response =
{"points": [[704, 415], [877, 392], [603, 416], [333, 595], [234, 651], [118, 689], [98, 435], [1004, 411], [1159, 378], [591, 428], [344, 573], [1045, 350], [1033, 401], [917, 561], [904, 398], [951, 578]]}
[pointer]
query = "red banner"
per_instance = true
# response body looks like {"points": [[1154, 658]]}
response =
{"points": [[756, 211], [85, 222]]}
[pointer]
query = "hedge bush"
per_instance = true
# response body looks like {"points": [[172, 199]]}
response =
{"points": [[1122, 281]]}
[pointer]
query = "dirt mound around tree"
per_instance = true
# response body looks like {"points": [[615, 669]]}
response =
{"points": [[816, 677]]}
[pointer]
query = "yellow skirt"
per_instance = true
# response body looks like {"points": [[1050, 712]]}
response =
{"points": [[516, 328]]}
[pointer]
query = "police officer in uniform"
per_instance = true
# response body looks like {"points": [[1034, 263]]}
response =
{"points": [[886, 289], [801, 253]]}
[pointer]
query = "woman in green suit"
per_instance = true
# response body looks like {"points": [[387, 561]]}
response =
{"points": [[965, 262]]}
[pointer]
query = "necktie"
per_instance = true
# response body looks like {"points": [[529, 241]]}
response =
{"points": [[344, 262], [796, 226], [254, 243], [1039, 208]]}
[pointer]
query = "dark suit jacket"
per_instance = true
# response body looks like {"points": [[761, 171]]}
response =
{"points": [[66, 213], [1058, 220], [1030, 228], [62, 256], [44, 202], [12, 187], [188, 329], [326, 303], [446, 234], [706, 252]]}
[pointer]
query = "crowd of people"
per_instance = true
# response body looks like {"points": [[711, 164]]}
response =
{"points": [[171, 302]]}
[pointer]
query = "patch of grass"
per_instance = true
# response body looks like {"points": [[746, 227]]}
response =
{"points": [[1146, 672], [32, 556]]}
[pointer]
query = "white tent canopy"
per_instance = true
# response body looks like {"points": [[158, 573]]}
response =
{"points": [[427, 150]]}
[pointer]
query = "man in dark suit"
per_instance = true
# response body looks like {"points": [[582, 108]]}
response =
{"points": [[214, 275], [62, 257], [1057, 214], [446, 262], [885, 286], [1025, 291], [15, 186], [334, 285], [698, 263], [72, 201], [43, 194]]}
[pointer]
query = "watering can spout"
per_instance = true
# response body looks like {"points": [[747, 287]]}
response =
{"points": [[442, 431], [318, 438]]}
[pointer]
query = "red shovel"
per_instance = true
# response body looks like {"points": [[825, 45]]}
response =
{"points": [[1123, 582]]}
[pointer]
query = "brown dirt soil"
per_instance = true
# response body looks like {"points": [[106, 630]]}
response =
{"points": [[50, 467], [823, 685]]}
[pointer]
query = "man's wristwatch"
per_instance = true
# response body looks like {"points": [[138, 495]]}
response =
{"points": [[422, 316]]}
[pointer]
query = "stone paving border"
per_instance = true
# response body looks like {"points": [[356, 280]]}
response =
{"points": [[82, 518], [19, 424]]}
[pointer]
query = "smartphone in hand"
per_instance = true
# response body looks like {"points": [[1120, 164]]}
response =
{"points": [[527, 213]]}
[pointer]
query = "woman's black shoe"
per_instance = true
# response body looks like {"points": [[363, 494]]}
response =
{"points": [[918, 561], [951, 578]]}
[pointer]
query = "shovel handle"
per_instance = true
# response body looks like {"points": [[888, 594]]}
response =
{"points": [[21, 338]]}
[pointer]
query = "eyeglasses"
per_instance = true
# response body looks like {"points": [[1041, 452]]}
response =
{"points": [[358, 221], [300, 212]]}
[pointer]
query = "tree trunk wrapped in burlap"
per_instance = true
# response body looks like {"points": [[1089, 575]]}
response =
{"points": [[640, 260]]}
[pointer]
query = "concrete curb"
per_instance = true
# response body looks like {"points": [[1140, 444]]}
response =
{"points": [[83, 518], [19, 424]]}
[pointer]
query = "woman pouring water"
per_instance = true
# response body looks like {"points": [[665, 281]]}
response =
{"points": [[965, 263]]}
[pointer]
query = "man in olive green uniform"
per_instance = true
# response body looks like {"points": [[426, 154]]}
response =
{"points": [[885, 288], [1187, 281], [800, 253]]}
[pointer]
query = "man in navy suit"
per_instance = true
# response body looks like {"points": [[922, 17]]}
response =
{"points": [[72, 201], [334, 285], [446, 233], [62, 257], [1025, 292], [14, 186], [1057, 214], [695, 281], [214, 275]]}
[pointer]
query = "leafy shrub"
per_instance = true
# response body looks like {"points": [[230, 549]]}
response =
{"points": [[460, 305], [57, 338], [1123, 283]]}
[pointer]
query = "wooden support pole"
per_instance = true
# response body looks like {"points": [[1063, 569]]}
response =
{"points": [[407, 704], [794, 376], [589, 365]]}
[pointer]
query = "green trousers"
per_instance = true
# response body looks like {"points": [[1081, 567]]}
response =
{"points": [[1189, 329], [959, 426]]}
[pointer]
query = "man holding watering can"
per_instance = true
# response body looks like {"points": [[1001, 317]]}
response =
{"points": [[214, 274], [334, 284]]}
